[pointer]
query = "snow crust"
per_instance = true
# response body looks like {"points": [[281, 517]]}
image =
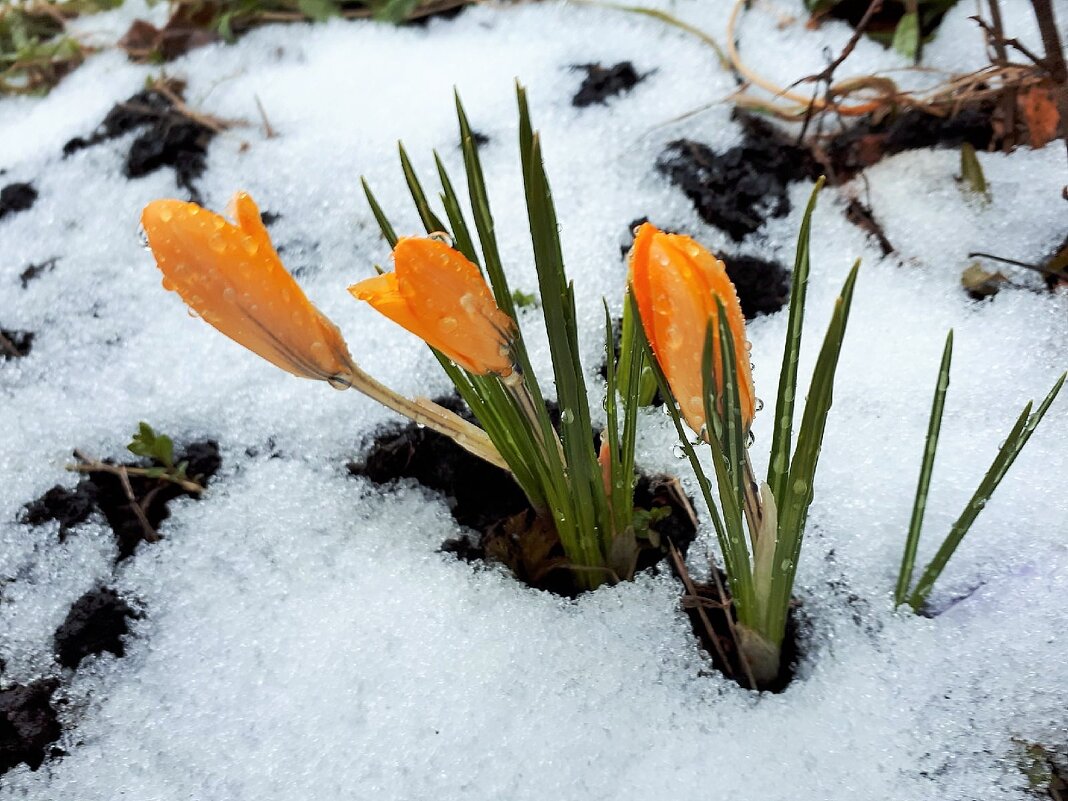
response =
{"points": [[303, 638]]}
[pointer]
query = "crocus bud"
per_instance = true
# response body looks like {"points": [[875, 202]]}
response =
{"points": [[230, 275], [676, 283], [442, 298]]}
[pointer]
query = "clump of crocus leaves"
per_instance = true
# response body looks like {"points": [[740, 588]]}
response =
{"points": [[682, 325]]}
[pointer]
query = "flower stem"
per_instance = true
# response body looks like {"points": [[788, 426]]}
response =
{"points": [[432, 415]]}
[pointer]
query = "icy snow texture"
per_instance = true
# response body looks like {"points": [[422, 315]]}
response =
{"points": [[302, 637]]}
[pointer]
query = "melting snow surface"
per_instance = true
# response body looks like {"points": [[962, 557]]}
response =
{"points": [[302, 637]]}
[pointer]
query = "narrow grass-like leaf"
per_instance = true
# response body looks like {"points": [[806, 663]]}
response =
{"points": [[430, 220], [971, 171], [1014, 443], [797, 495], [781, 438], [476, 187], [461, 234], [908, 558], [380, 216]]}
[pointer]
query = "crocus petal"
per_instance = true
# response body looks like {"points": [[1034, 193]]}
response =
{"points": [[231, 276], [382, 294], [441, 297]]}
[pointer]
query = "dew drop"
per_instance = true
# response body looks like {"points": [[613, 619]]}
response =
{"points": [[441, 236], [168, 284], [166, 215], [217, 244], [229, 295], [750, 438], [339, 381], [447, 325], [678, 450], [142, 237], [251, 246], [567, 417], [758, 405]]}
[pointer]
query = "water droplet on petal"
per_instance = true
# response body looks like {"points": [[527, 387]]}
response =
{"points": [[447, 324], [251, 246], [758, 405], [166, 215], [338, 381], [441, 236], [217, 244]]}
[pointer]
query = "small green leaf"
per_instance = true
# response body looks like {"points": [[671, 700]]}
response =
{"points": [[394, 11], [524, 301], [147, 443], [971, 172], [319, 10], [907, 36]]}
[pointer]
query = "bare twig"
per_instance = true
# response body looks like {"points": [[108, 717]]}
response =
{"points": [[996, 32], [150, 533], [87, 464], [8, 347], [216, 124], [691, 591], [268, 131]]}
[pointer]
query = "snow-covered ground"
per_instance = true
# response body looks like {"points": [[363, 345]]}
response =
{"points": [[302, 637]]}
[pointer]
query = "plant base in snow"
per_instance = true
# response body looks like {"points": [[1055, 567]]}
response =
{"points": [[717, 636], [505, 528]]}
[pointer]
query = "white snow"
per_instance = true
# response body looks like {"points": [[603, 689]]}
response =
{"points": [[303, 638]]}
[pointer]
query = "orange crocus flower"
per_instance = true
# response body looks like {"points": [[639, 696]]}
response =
{"points": [[442, 298], [230, 275], [676, 283]]}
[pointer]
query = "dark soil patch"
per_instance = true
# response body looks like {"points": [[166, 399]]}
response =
{"points": [[28, 724], [739, 189], [708, 598], [16, 197], [763, 286], [486, 499], [95, 623], [601, 83], [69, 506], [167, 138], [15, 344], [103, 491], [35, 271], [871, 139]]}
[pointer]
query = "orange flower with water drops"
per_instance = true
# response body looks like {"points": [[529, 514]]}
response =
{"points": [[676, 283], [230, 275], [441, 297]]}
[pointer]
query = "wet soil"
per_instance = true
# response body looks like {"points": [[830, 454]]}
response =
{"points": [[95, 623], [103, 491], [871, 139], [16, 197], [15, 344], [714, 607], [98, 621], [166, 138], [28, 724], [602, 83], [487, 500], [739, 189]]}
